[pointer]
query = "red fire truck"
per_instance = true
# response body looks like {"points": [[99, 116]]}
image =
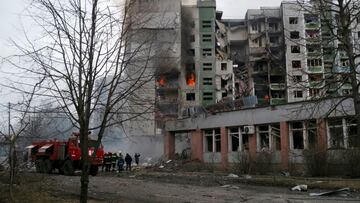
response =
{"points": [[64, 155]]}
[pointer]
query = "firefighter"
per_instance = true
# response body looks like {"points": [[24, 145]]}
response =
{"points": [[114, 158], [137, 155], [104, 162], [120, 163], [108, 161], [128, 161]]}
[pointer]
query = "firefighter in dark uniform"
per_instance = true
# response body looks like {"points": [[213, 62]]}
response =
{"points": [[104, 162], [108, 161]]}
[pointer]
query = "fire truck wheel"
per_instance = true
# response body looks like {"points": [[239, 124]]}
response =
{"points": [[47, 166], [68, 168], [93, 170]]}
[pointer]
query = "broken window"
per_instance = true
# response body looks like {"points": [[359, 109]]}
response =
{"points": [[294, 35], [207, 81], [314, 92], [273, 27], [192, 38], [223, 83], [293, 20], [239, 141], [254, 27], [311, 130], [264, 137], [206, 52], [191, 52], [336, 133], [207, 66], [297, 135], [298, 94], [297, 78], [206, 38], [224, 66], [296, 64], [354, 139], [212, 140], [295, 49], [207, 96], [190, 96], [206, 24]]}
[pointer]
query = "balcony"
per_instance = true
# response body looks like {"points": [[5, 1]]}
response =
{"points": [[312, 25], [343, 55], [316, 84], [313, 40], [168, 86], [277, 101], [314, 54], [342, 69], [315, 69], [277, 86]]}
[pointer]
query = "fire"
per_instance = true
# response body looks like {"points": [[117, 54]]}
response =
{"points": [[191, 79], [162, 81]]}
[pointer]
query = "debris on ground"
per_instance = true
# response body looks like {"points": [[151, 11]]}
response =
{"points": [[161, 166], [285, 173], [168, 161], [247, 176], [231, 175], [301, 188], [342, 192], [230, 186]]}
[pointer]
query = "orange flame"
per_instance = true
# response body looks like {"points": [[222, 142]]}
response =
{"points": [[162, 81], [191, 79]]}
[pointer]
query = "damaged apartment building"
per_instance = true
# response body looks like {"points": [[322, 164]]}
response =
{"points": [[224, 88], [247, 86]]}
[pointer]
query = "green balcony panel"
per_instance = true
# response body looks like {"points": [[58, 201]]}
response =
{"points": [[277, 86], [312, 25], [316, 84], [315, 69]]}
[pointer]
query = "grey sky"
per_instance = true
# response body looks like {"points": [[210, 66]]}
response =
{"points": [[237, 8]]}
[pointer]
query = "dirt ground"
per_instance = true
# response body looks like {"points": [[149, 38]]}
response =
{"points": [[151, 186]]}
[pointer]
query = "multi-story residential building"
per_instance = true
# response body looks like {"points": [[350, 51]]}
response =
{"points": [[283, 57]]}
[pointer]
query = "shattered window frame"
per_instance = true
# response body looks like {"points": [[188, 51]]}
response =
{"points": [[242, 140], [293, 20], [212, 140], [295, 49], [297, 135], [336, 138], [190, 96], [263, 137]]}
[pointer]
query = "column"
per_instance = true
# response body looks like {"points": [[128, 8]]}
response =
{"points": [[169, 145], [197, 145], [321, 134], [284, 137], [224, 147]]}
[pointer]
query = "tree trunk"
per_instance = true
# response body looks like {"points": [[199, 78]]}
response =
{"points": [[85, 165]]}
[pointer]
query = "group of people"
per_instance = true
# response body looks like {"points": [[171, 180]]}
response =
{"points": [[113, 160]]}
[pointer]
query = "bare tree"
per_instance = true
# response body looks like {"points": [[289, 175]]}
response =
{"points": [[94, 57]]}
